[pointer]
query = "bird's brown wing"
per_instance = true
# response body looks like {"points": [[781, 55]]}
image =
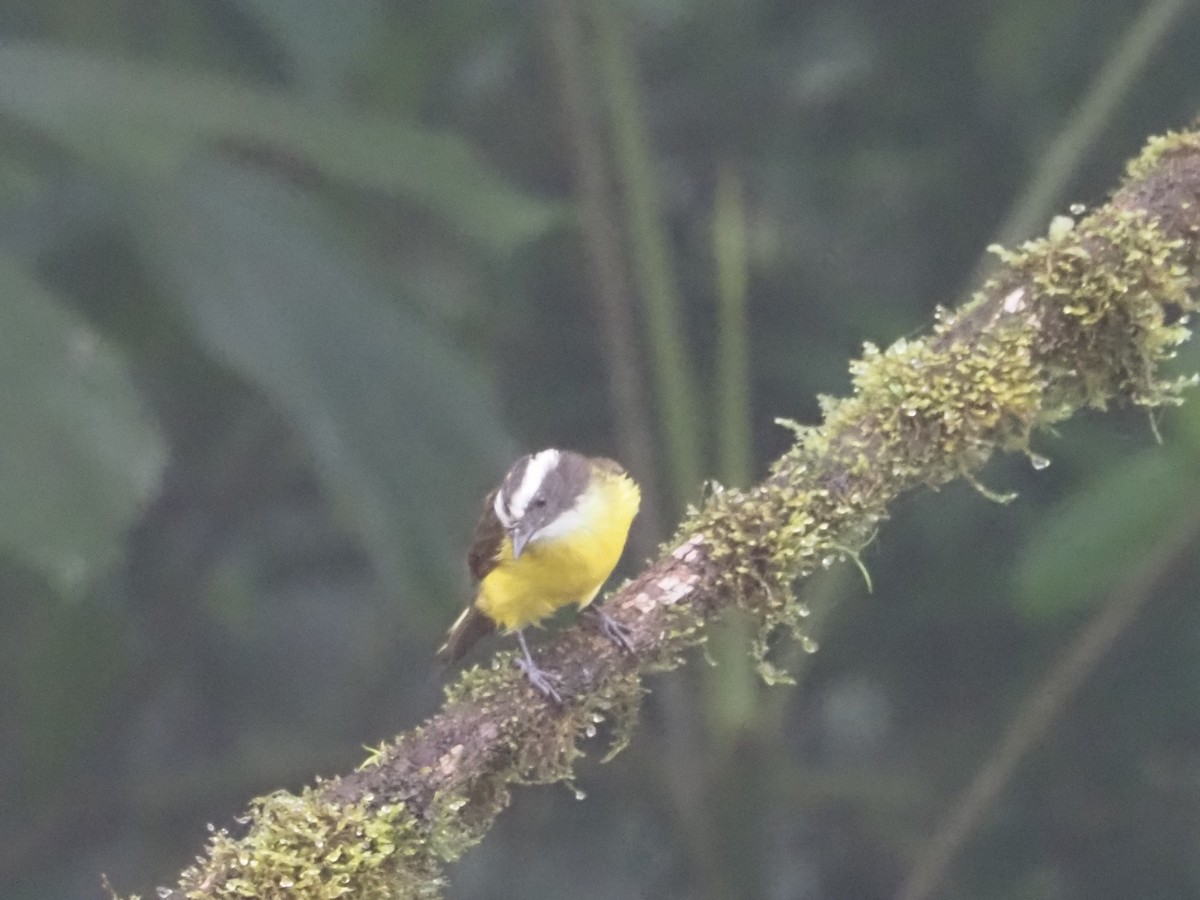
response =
{"points": [[481, 559], [485, 545], [466, 630]]}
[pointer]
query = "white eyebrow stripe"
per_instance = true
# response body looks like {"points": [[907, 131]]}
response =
{"points": [[540, 465], [501, 513]]}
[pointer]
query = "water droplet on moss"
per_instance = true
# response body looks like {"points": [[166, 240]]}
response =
{"points": [[1038, 461]]}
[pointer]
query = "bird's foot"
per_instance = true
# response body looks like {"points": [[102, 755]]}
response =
{"points": [[612, 629], [540, 680]]}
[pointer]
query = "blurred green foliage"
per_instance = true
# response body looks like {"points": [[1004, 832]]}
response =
{"points": [[1095, 541], [284, 287], [81, 457]]}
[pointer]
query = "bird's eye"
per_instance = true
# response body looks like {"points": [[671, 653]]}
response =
{"points": [[539, 502]]}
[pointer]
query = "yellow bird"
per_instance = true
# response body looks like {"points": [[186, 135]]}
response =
{"points": [[550, 535]]}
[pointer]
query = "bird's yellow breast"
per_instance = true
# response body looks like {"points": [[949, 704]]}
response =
{"points": [[569, 563]]}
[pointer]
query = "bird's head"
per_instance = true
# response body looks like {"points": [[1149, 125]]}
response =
{"points": [[540, 495]]}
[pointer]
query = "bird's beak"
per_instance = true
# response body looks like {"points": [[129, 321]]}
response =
{"points": [[520, 537]]}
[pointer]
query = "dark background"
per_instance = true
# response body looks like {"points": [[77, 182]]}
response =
{"points": [[284, 287]]}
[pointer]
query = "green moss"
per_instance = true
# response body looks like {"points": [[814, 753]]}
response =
{"points": [[300, 846], [523, 749], [1076, 320], [486, 685], [617, 705], [1159, 147], [1080, 318], [1103, 300], [450, 833]]}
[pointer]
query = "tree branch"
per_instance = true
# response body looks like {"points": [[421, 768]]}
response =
{"points": [[1076, 320]]}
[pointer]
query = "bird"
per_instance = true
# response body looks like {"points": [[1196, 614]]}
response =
{"points": [[550, 535]]}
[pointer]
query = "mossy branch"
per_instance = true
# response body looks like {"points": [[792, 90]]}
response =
{"points": [[1079, 319]]}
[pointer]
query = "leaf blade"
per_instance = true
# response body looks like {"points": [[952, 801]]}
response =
{"points": [[1093, 541], [405, 433], [81, 455], [149, 120]]}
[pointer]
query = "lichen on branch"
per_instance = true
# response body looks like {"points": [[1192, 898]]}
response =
{"points": [[1082, 318]]}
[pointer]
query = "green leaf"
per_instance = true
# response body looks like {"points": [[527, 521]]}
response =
{"points": [[1099, 538], [323, 41], [80, 456], [148, 120], [406, 434]]}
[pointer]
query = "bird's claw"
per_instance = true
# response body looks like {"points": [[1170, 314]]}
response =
{"points": [[540, 680], [616, 632]]}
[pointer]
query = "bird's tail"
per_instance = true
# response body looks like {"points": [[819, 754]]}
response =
{"points": [[466, 630]]}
